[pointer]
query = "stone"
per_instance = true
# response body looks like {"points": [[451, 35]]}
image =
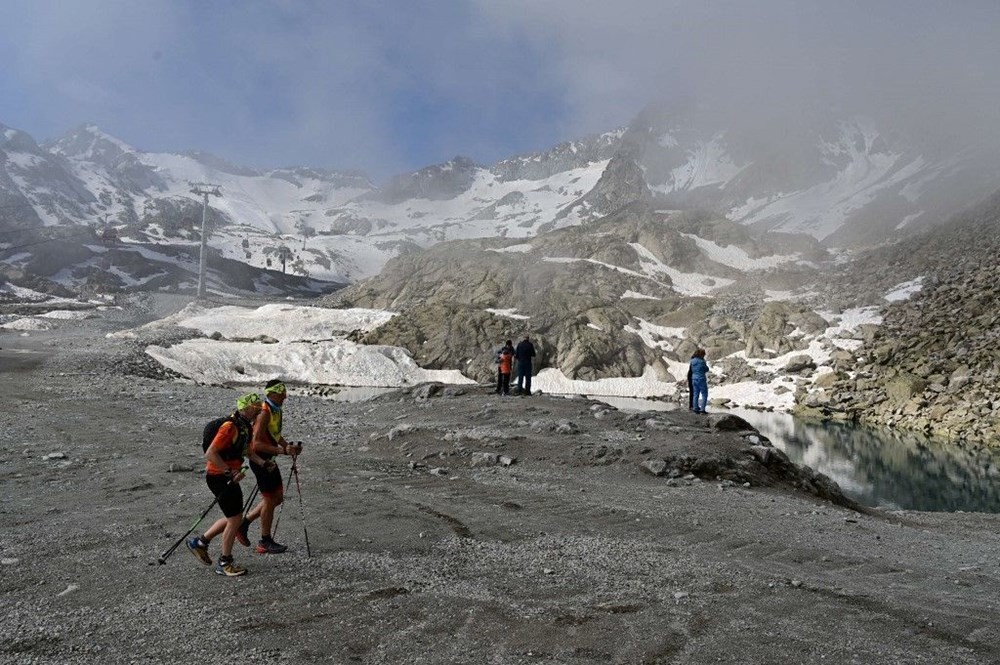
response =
{"points": [[485, 459], [654, 467], [426, 390], [730, 423], [904, 387], [825, 380], [762, 453], [567, 427], [800, 363], [399, 430]]}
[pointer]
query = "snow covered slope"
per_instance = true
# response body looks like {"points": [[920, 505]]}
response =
{"points": [[839, 179], [842, 180]]}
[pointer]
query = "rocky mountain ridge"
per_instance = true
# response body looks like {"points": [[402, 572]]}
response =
{"points": [[840, 179], [615, 298], [934, 362]]}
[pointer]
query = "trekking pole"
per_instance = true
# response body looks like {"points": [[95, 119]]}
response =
{"points": [[302, 513], [277, 518], [162, 559], [249, 503]]}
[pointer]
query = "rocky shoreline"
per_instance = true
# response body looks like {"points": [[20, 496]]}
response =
{"points": [[932, 365]]}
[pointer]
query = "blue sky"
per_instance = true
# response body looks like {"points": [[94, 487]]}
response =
{"points": [[395, 85]]}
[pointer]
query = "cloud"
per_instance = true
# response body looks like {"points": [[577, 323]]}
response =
{"points": [[391, 86], [928, 65]]}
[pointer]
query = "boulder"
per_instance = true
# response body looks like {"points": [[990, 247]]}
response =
{"points": [[654, 467], [730, 423], [799, 363]]}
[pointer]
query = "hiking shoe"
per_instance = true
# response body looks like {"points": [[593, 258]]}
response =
{"points": [[241, 536], [229, 569], [199, 550], [268, 546]]}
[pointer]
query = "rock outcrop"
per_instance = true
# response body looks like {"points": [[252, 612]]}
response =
{"points": [[934, 363], [591, 296]]}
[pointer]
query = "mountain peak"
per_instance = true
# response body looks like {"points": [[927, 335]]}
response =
{"points": [[436, 182], [15, 140], [88, 143]]}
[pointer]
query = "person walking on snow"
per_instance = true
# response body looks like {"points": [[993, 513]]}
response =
{"points": [[266, 444], [223, 473], [505, 363], [699, 380], [524, 353]]}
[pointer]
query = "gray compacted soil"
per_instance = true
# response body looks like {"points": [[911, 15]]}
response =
{"points": [[448, 525]]}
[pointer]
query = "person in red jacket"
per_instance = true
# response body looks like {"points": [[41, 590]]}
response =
{"points": [[223, 473], [505, 363]]}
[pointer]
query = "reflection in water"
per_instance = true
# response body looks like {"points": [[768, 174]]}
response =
{"points": [[882, 467], [878, 467]]}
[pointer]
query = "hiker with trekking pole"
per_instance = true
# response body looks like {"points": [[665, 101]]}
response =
{"points": [[267, 443], [225, 442]]}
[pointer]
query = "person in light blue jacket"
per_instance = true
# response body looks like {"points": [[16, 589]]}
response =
{"points": [[699, 381]]}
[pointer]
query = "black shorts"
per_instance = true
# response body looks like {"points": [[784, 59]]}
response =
{"points": [[268, 480], [230, 495]]}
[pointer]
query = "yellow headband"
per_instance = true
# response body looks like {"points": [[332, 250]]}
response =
{"points": [[276, 388], [247, 400]]}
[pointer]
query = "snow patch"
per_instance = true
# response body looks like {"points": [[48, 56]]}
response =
{"points": [[735, 257], [554, 381], [688, 284], [636, 295], [508, 313], [905, 290]]}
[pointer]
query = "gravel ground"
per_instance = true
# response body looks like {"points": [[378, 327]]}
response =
{"points": [[454, 528]]}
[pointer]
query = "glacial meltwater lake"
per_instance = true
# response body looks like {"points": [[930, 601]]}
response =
{"points": [[877, 467]]}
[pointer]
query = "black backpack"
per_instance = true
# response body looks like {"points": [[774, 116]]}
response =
{"points": [[235, 451]]}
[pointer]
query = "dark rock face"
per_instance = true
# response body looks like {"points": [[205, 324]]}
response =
{"points": [[622, 184], [446, 336]]}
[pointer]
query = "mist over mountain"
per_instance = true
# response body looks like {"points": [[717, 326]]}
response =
{"points": [[845, 180]]}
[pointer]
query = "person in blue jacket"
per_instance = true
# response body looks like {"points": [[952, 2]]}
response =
{"points": [[699, 381]]}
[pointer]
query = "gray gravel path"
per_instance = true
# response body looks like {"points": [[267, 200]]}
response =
{"points": [[427, 549]]}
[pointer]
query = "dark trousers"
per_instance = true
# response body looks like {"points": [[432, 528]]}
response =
{"points": [[503, 383], [524, 377]]}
